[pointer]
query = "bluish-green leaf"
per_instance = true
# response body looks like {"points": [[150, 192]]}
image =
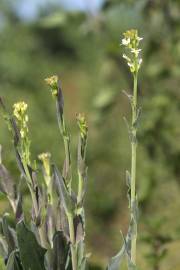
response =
{"points": [[31, 253], [115, 262], [14, 262], [9, 234], [63, 193], [60, 251]]}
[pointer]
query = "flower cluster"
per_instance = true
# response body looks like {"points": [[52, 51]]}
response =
{"points": [[81, 121], [131, 42], [45, 159], [53, 83], [19, 112]]}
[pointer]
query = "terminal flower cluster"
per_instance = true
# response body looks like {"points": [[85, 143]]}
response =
{"points": [[131, 42], [53, 83], [81, 121], [20, 112], [45, 159]]}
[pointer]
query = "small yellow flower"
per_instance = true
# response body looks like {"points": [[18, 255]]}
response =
{"points": [[44, 156], [53, 83], [20, 109], [82, 124], [45, 159]]}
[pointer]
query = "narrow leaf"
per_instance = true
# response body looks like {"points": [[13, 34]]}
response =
{"points": [[63, 193], [60, 104], [14, 262], [116, 261], [60, 251], [9, 234], [79, 228]]}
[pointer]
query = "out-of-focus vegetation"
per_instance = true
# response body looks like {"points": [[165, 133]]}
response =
{"points": [[84, 50]]}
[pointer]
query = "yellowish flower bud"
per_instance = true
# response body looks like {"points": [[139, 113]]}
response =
{"points": [[45, 159], [20, 109], [53, 83], [82, 124]]}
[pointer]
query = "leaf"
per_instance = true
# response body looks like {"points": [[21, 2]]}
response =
{"points": [[19, 162], [128, 183], [60, 251], [3, 247], [62, 191], [82, 258], [83, 263], [14, 262], [60, 104], [15, 130], [50, 223], [79, 228], [19, 209], [7, 185], [132, 231], [82, 168], [31, 253], [136, 122], [9, 234], [33, 176], [116, 261], [129, 129], [16, 134], [61, 220]]}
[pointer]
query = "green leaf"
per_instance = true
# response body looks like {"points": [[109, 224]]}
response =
{"points": [[7, 185], [128, 183], [60, 251], [82, 257], [14, 262], [31, 253], [3, 247], [116, 261], [60, 105], [9, 234], [63, 193]]}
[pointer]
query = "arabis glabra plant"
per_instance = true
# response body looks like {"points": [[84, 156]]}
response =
{"points": [[53, 237], [130, 45]]}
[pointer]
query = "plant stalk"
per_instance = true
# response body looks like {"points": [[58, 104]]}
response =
{"points": [[73, 241], [133, 167], [66, 141], [35, 206]]}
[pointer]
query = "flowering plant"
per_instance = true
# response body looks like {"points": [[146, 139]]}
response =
{"points": [[53, 237]]}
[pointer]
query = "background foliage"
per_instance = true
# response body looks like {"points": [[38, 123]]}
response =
{"points": [[84, 50]]}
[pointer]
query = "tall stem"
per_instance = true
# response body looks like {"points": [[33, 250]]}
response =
{"points": [[133, 168], [66, 141], [35, 206], [73, 242]]}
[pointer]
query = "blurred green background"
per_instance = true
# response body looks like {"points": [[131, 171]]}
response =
{"points": [[80, 43]]}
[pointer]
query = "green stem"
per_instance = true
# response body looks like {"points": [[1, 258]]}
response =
{"points": [[66, 141], [43, 241], [133, 167], [80, 187], [73, 241]]}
